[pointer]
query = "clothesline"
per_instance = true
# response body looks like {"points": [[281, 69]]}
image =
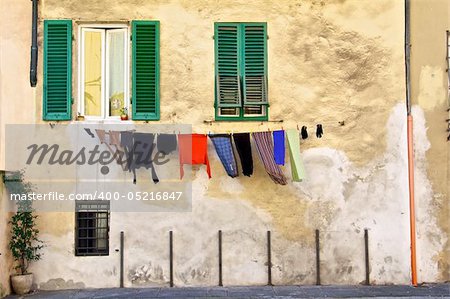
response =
{"points": [[317, 131], [193, 149], [229, 132], [279, 123]]}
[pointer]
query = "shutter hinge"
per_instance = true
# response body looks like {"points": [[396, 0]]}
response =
{"points": [[213, 37], [131, 37], [71, 101]]}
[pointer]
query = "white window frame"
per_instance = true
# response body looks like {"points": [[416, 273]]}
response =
{"points": [[263, 110], [105, 69], [229, 115]]}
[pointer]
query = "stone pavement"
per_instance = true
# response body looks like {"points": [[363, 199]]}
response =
{"points": [[399, 291]]}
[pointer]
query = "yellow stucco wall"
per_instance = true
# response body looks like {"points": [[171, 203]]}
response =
{"points": [[429, 80], [14, 43], [329, 61]]}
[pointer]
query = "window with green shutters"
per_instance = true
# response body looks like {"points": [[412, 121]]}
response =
{"points": [[57, 93], [104, 70], [103, 81], [241, 71], [145, 77]]}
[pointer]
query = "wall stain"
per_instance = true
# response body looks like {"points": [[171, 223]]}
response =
{"points": [[284, 204], [56, 224], [61, 284]]}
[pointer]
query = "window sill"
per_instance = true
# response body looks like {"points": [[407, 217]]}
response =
{"points": [[90, 254], [240, 119], [103, 121]]}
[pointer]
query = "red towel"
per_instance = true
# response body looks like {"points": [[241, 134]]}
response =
{"points": [[193, 149]]}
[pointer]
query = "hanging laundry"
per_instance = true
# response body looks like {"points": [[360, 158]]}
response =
{"points": [[114, 140], [101, 135], [264, 145], [279, 147], [142, 154], [114, 137], [193, 149], [304, 132], [166, 143], [297, 168], [88, 131], [224, 149], [114, 152], [244, 149], [319, 131], [126, 141]]}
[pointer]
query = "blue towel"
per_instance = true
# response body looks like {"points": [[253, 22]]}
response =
{"points": [[278, 147], [224, 149]]}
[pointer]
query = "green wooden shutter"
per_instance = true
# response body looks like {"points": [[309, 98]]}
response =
{"points": [[57, 70], [255, 64], [227, 44], [145, 77]]}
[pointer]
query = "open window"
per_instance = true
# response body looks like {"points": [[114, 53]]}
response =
{"points": [[103, 72]]}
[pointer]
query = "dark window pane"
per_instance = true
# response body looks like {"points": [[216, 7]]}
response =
{"points": [[92, 231]]}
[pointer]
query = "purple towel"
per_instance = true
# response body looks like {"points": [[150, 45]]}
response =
{"points": [[264, 145]]}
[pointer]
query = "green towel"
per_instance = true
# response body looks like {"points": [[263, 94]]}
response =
{"points": [[298, 170]]}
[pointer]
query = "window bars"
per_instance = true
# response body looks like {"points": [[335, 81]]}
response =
{"points": [[92, 228]]}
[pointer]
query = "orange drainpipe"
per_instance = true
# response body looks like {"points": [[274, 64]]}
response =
{"points": [[410, 137], [412, 214]]}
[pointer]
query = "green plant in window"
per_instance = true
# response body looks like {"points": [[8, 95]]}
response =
{"points": [[124, 113]]}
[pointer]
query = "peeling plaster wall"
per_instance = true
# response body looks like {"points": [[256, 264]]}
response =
{"points": [[339, 198], [429, 81], [329, 61]]}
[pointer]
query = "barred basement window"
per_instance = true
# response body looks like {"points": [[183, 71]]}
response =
{"points": [[92, 228]]}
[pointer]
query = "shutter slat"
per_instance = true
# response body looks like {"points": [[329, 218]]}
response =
{"points": [[57, 101], [145, 70], [227, 71], [255, 70]]}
